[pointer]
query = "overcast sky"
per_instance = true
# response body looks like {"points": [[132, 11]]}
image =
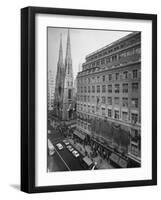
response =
{"points": [[83, 42]]}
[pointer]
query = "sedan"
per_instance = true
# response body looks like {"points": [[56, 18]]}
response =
{"points": [[60, 146], [66, 142], [70, 148], [75, 153]]}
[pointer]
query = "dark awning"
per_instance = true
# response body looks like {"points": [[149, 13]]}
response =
{"points": [[79, 135], [122, 163], [114, 158]]}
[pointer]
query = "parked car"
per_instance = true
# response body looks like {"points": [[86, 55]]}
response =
{"points": [[75, 153], [60, 146], [66, 142], [70, 148]]}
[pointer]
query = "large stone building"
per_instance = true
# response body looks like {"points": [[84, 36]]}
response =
{"points": [[64, 103], [109, 98], [51, 87]]}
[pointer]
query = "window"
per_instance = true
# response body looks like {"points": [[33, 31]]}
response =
{"points": [[117, 88], [103, 78], [85, 98], [102, 61], [117, 114], [98, 62], [134, 87], [103, 111], [103, 99], [134, 118], [93, 88], [103, 88], [92, 109], [107, 60], [109, 113], [69, 94], [93, 99], [125, 116], [125, 74], [134, 102], [135, 73], [88, 89], [85, 89], [88, 108], [98, 78], [109, 88], [110, 77], [125, 88], [98, 88], [117, 100], [88, 80], [110, 100], [125, 102], [117, 76]]}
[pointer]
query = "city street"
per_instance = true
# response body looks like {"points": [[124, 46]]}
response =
{"points": [[62, 160]]}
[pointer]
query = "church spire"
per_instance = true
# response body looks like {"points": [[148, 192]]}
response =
{"points": [[60, 60], [68, 59]]}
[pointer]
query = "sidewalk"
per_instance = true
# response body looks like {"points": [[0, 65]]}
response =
{"points": [[87, 151]]}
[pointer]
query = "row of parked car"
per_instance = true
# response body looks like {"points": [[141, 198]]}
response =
{"points": [[69, 147]]}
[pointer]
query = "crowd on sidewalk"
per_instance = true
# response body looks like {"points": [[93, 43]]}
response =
{"points": [[86, 150]]}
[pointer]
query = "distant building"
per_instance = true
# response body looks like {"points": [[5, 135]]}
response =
{"points": [[51, 87], [109, 97], [64, 103]]}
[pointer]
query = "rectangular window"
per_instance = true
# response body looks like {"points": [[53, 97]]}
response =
{"points": [[109, 88], [125, 87], [124, 116], [93, 99], [103, 111], [135, 87], [117, 88], [116, 100], [110, 100], [125, 74], [92, 109], [103, 99], [134, 118], [117, 76], [109, 113], [85, 89], [117, 114], [88, 89], [69, 94], [93, 88], [110, 77], [103, 78], [103, 88], [125, 102], [135, 73], [98, 88], [134, 102]]}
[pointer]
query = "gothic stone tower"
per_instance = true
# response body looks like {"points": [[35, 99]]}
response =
{"points": [[59, 86], [68, 84]]}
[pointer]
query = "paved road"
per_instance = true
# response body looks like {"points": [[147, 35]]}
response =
{"points": [[62, 160]]}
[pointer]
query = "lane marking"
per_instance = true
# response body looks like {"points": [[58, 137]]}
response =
{"points": [[63, 160]]}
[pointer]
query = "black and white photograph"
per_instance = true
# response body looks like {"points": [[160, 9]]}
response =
{"points": [[93, 99]]}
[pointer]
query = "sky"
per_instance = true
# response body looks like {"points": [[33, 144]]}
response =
{"points": [[83, 42]]}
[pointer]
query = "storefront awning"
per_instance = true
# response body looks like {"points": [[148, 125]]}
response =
{"points": [[79, 135], [118, 160], [114, 158], [122, 163]]}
